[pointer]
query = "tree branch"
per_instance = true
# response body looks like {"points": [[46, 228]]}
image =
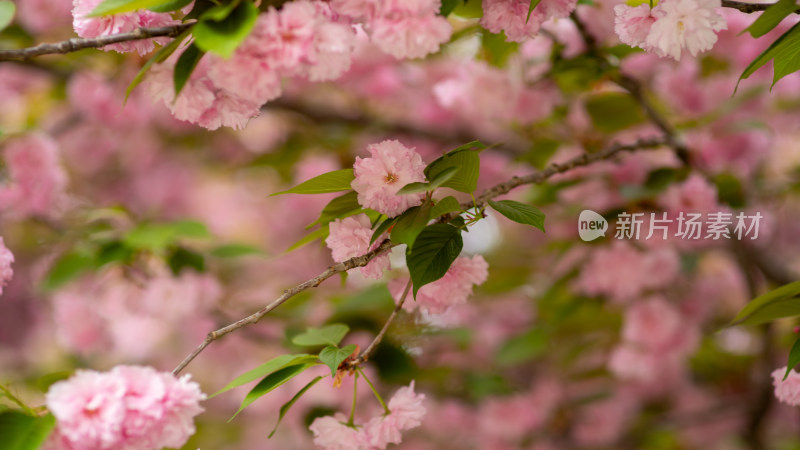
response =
{"points": [[364, 356], [361, 261], [75, 44], [747, 7]]}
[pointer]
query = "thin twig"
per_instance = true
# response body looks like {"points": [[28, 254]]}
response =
{"points": [[364, 356], [75, 44], [360, 261], [747, 7]]}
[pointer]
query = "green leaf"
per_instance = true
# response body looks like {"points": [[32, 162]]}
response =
{"points": [[320, 233], [109, 7], [468, 164], [435, 249], [274, 364], [443, 177], [471, 145], [336, 181], [787, 56], [338, 208], [172, 5], [327, 335], [290, 403], [530, 9], [445, 206], [413, 188], [382, 228], [66, 268], [182, 258], [771, 52], [776, 304], [522, 348], [235, 251], [333, 356], [156, 237], [23, 432], [7, 11], [113, 251], [794, 358], [221, 30], [519, 212], [272, 381], [614, 111], [770, 18], [448, 6], [411, 223], [185, 66], [160, 56], [497, 49]]}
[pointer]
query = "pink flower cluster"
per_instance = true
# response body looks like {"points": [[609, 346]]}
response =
{"points": [[349, 237], [656, 338], [671, 26], [622, 272], [787, 391], [450, 290], [130, 407], [6, 258], [401, 28], [406, 411], [511, 16], [90, 27], [37, 179], [303, 39], [391, 166]]}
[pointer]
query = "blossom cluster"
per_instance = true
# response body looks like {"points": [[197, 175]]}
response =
{"points": [[671, 26], [131, 407], [511, 16], [406, 411], [36, 179]]}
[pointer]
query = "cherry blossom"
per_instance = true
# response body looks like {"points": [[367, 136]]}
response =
{"points": [[390, 166]]}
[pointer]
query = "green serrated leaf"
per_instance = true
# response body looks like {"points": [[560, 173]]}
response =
{"points": [[531, 8], [160, 56], [410, 224], [172, 5], [382, 228], [23, 432], [333, 356], [794, 358], [468, 164], [7, 11], [267, 368], [448, 6], [68, 267], [787, 56], [445, 206], [435, 249], [339, 208], [185, 66], [771, 52], [286, 406], [327, 335], [221, 30], [270, 382], [519, 212], [109, 7], [336, 181], [771, 17], [776, 304], [235, 251], [320, 233], [415, 187]]}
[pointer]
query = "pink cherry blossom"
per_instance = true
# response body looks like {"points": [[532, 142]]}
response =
{"points": [[694, 195], [129, 407], [452, 289], [41, 16], [410, 28], [787, 391], [511, 16], [333, 433], [390, 166], [37, 179], [89, 27], [406, 411], [685, 24], [632, 24], [6, 258], [349, 237]]}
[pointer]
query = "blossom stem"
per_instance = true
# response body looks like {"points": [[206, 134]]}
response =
{"points": [[374, 391], [7, 393], [351, 422]]}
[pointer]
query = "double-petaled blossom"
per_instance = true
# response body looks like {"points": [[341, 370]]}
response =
{"points": [[349, 237], [130, 407], [670, 27], [390, 166], [511, 16], [37, 180], [788, 390], [450, 290]]}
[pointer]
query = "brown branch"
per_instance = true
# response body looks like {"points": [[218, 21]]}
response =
{"points": [[747, 7], [364, 356], [360, 261], [75, 44]]}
